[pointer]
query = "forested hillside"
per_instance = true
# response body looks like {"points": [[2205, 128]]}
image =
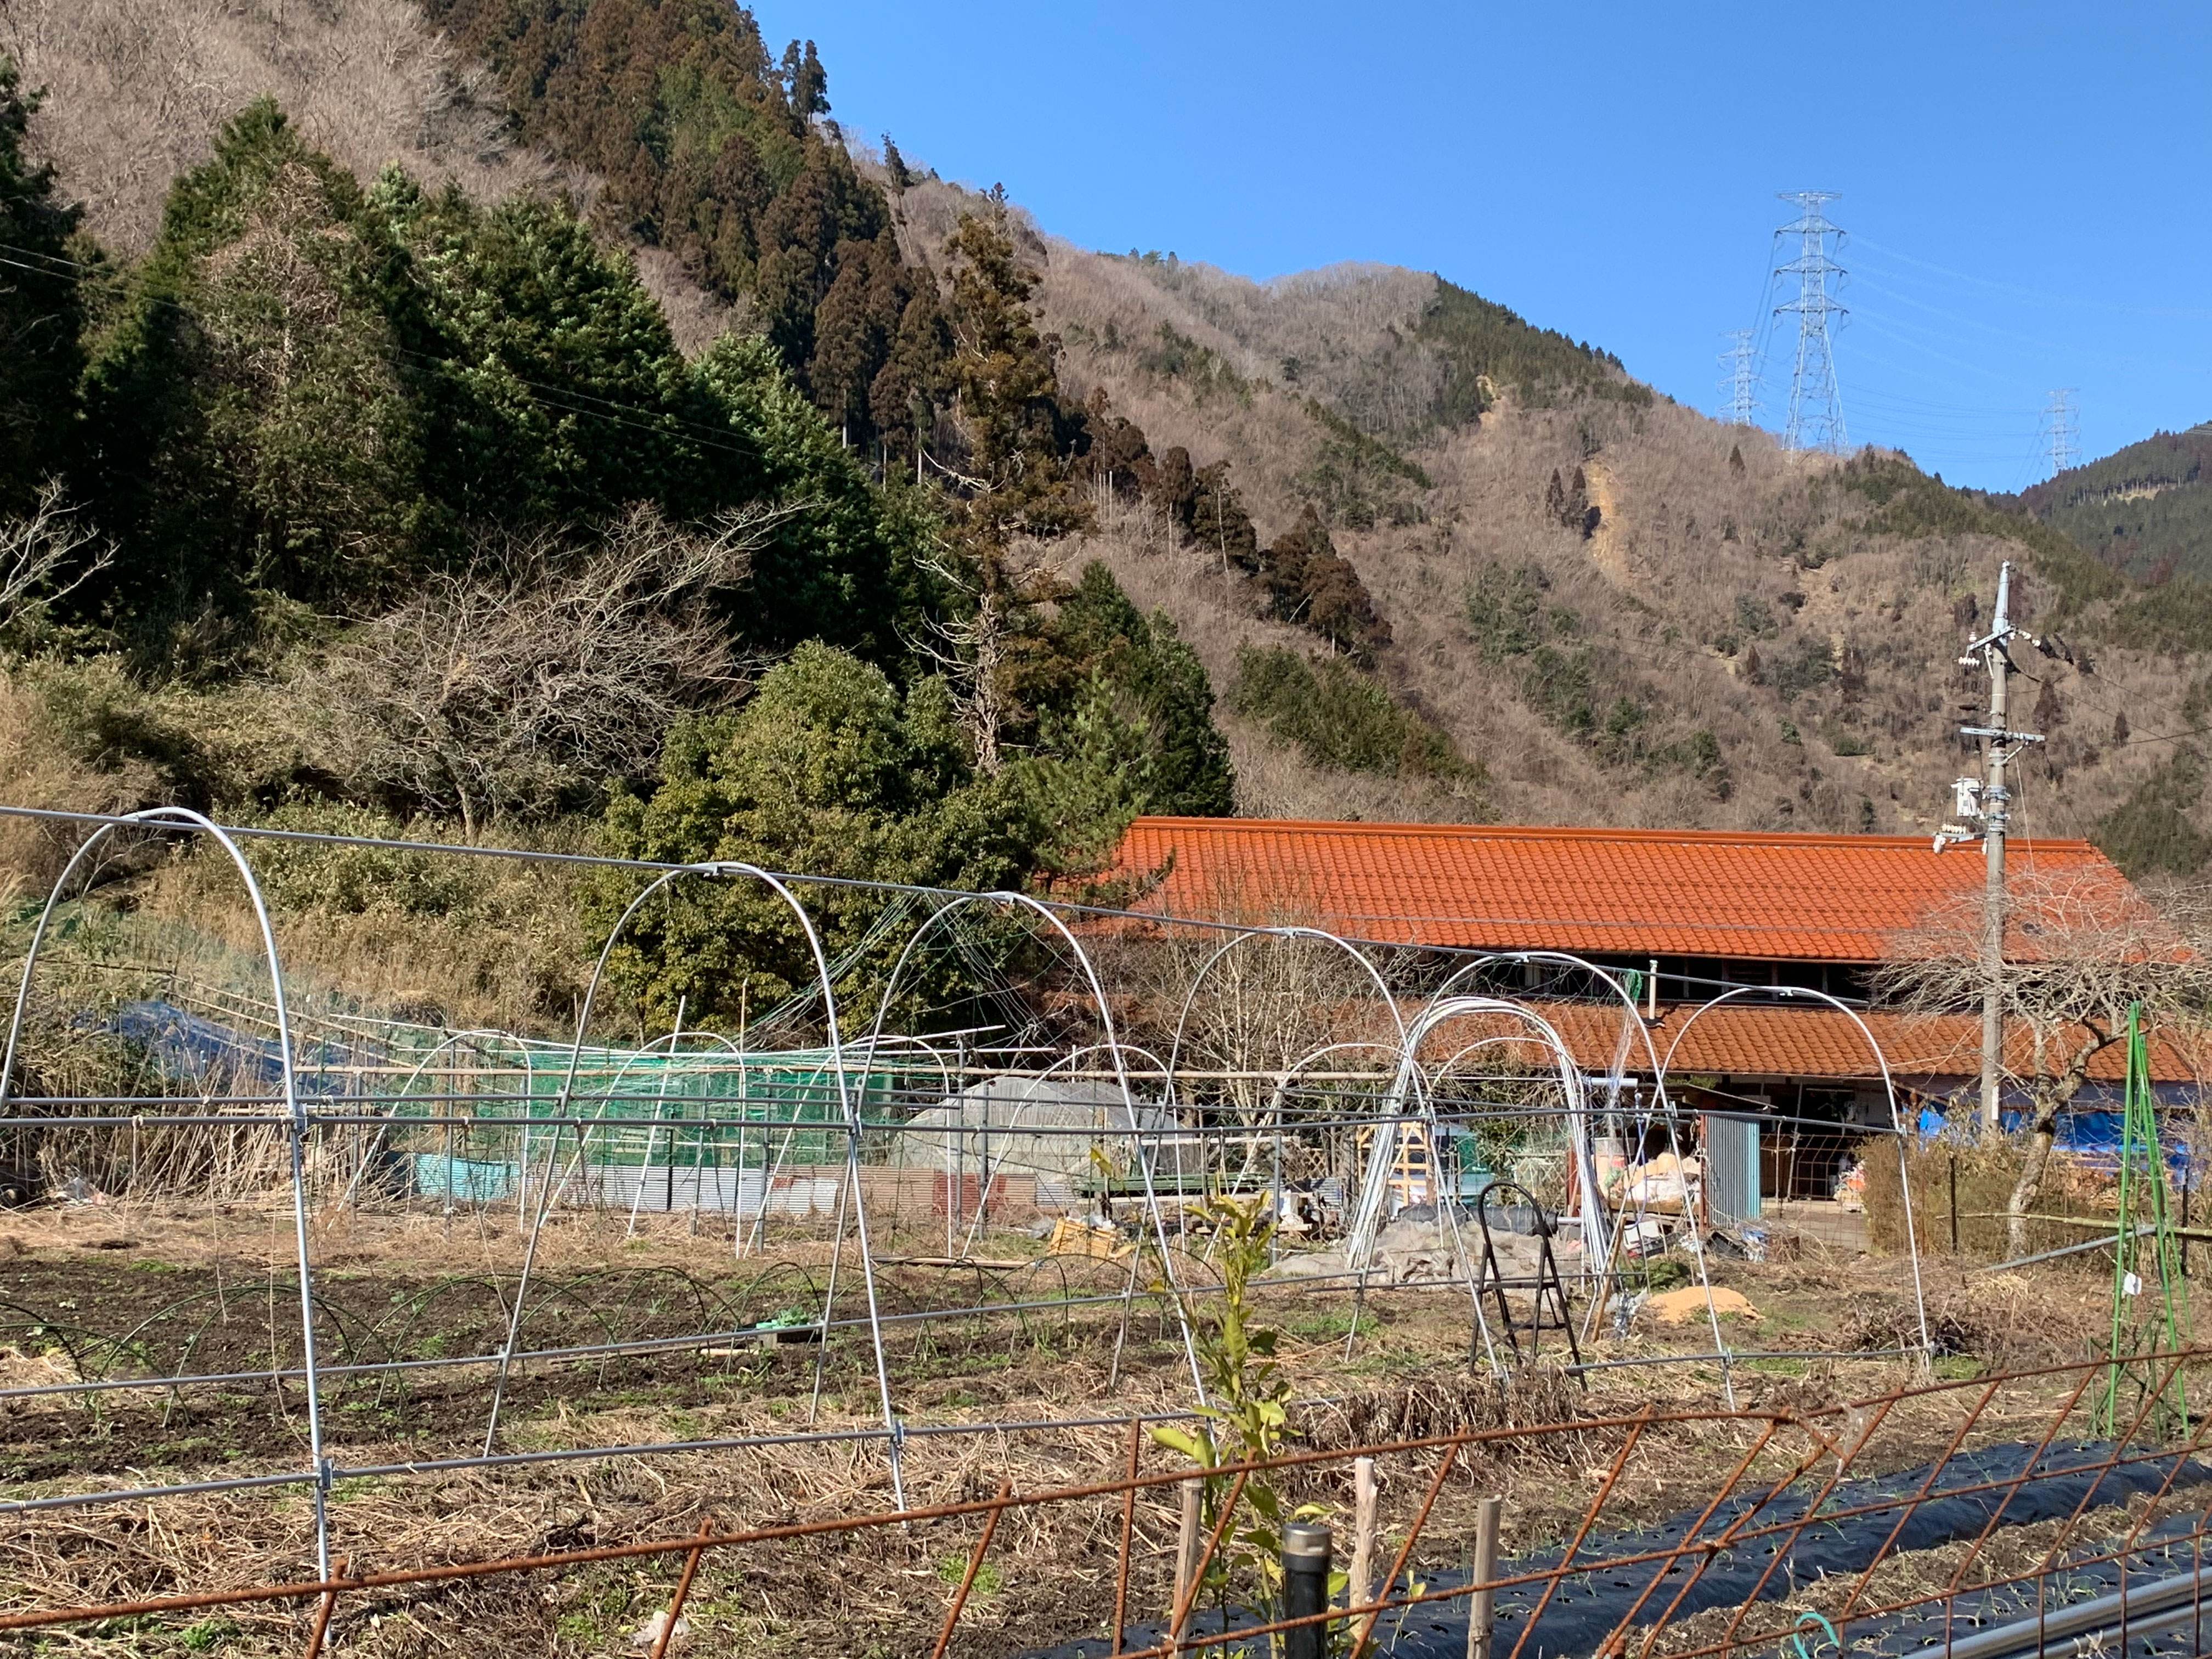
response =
{"points": [[588, 440], [363, 501], [2146, 509]]}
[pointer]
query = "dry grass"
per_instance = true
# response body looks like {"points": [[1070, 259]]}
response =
{"points": [[1981, 1172], [40, 767]]}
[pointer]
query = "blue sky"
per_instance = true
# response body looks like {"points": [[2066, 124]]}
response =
{"points": [[2028, 188]]}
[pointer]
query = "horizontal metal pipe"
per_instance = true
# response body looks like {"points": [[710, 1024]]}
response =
{"points": [[1733, 1356], [2135, 1603], [801, 1529]]}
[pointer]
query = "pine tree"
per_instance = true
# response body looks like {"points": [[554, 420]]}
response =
{"points": [[41, 313]]}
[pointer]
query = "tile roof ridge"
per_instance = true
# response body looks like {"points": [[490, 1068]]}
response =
{"points": [[1586, 833]]}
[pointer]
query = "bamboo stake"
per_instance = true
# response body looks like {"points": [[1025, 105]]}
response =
{"points": [[1365, 1491]]}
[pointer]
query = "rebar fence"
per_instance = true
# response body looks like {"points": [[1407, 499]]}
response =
{"points": [[2039, 1511]]}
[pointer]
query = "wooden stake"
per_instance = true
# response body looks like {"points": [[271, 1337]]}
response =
{"points": [[1481, 1607], [1365, 1491], [1187, 1544]]}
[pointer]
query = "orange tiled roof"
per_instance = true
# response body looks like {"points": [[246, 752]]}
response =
{"points": [[1744, 1040], [1657, 892]]}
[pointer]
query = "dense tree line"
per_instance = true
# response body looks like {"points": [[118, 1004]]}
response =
{"points": [[712, 149], [41, 313]]}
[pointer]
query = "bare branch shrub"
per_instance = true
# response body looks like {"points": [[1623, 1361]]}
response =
{"points": [[1262, 1006], [2082, 949], [544, 671], [43, 558]]}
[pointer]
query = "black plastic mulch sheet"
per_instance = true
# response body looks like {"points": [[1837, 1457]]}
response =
{"points": [[1768, 1557]]}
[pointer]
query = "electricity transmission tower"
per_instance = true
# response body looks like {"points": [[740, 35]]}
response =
{"points": [[1816, 407], [2062, 426], [1742, 382]]}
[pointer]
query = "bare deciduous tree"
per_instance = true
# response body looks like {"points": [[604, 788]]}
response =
{"points": [[2082, 949], [1260, 1007], [543, 671], [43, 557]]}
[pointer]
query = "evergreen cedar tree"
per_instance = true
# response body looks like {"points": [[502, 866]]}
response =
{"points": [[1570, 504], [710, 151], [41, 312]]}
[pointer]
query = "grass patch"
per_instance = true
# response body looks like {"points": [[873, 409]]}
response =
{"points": [[950, 1569]]}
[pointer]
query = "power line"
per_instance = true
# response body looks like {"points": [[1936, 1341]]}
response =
{"points": [[1816, 406], [2039, 295]]}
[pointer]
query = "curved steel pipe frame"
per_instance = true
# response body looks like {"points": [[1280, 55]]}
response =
{"points": [[180, 817], [1410, 1096], [1112, 1045], [1896, 1120], [717, 870]]}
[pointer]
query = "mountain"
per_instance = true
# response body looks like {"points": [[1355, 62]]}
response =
{"points": [[1437, 561], [2146, 509]]}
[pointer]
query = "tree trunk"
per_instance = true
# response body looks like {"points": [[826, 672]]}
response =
{"points": [[2042, 1135], [2051, 1095], [986, 711]]}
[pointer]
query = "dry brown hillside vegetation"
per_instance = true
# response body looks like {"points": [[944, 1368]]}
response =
{"points": [[1623, 611], [136, 90]]}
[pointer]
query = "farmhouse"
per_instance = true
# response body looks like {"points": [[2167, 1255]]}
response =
{"points": [[1682, 917]]}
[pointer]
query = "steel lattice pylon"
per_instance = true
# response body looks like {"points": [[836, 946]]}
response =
{"points": [[1816, 406]]}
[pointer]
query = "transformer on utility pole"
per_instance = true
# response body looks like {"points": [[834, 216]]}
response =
{"points": [[1988, 799]]}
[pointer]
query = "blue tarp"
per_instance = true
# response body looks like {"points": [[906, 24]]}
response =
{"points": [[187, 1049]]}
